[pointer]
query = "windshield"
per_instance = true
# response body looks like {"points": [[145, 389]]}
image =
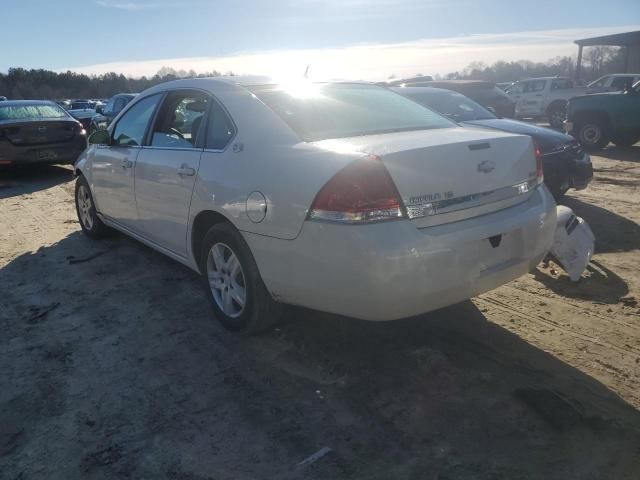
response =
{"points": [[598, 82], [452, 105], [322, 111], [29, 112]]}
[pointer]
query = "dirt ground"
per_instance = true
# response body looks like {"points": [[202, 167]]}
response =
{"points": [[111, 365]]}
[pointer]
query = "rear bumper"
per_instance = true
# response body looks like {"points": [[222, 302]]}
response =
{"points": [[394, 270], [66, 152]]}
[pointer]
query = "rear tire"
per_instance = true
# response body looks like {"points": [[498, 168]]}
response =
{"points": [[592, 135], [556, 115], [90, 223], [237, 293]]}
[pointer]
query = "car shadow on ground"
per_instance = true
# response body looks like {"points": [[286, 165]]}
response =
{"points": [[626, 154], [613, 232], [26, 179], [113, 367]]}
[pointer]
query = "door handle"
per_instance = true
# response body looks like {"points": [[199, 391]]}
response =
{"points": [[538, 95], [126, 163], [186, 171]]}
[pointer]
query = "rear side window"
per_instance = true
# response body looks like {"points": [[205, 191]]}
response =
{"points": [[132, 126], [27, 112], [317, 111], [220, 129]]}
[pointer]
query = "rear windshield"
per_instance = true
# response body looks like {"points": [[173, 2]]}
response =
{"points": [[28, 112], [452, 105], [322, 111]]}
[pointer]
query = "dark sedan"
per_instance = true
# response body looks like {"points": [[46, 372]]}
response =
{"points": [[33, 131], [486, 94], [566, 165]]}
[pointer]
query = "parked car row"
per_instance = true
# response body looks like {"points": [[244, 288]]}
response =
{"points": [[340, 197]]}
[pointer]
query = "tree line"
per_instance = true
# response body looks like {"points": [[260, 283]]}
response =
{"points": [[596, 61], [23, 84], [19, 83]]}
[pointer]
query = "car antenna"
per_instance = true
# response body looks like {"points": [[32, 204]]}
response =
{"points": [[306, 71]]}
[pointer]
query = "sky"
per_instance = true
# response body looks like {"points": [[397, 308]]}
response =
{"points": [[364, 39]]}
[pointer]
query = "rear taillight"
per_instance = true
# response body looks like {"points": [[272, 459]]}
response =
{"points": [[539, 169], [361, 192]]}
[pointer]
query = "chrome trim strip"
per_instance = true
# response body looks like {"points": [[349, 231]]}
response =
{"points": [[427, 209]]}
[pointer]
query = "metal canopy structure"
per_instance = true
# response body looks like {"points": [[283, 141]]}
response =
{"points": [[629, 40]]}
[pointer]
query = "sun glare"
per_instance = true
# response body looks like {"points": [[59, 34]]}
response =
{"points": [[301, 88]]}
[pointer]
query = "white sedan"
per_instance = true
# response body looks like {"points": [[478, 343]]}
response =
{"points": [[341, 197]]}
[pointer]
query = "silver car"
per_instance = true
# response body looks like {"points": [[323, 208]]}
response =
{"points": [[341, 197]]}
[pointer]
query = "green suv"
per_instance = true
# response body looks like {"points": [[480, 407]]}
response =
{"points": [[597, 119]]}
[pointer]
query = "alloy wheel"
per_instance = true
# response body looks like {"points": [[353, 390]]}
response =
{"points": [[226, 280], [590, 134], [84, 207]]}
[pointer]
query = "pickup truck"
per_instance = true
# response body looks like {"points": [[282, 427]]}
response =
{"points": [[544, 97], [596, 119], [614, 82]]}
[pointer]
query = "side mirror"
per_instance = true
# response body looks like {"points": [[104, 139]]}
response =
{"points": [[100, 109], [100, 137], [491, 109]]}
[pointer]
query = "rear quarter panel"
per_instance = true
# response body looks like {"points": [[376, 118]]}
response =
{"points": [[265, 156]]}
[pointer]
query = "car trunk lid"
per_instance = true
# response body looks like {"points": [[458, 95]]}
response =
{"points": [[446, 175], [40, 132]]}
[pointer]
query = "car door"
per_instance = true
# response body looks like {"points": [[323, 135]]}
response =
{"points": [[167, 166], [628, 121], [112, 166]]}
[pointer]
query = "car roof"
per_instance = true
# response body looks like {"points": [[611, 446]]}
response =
{"points": [[229, 82], [421, 89], [20, 103], [544, 78]]}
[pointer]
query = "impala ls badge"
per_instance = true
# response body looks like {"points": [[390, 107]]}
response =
{"points": [[486, 166]]}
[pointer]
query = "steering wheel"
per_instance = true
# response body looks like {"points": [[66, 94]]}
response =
{"points": [[177, 132]]}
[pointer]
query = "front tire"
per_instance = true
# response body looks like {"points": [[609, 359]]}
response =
{"points": [[90, 223], [238, 295], [592, 135]]}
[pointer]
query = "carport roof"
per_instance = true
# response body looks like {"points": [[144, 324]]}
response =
{"points": [[618, 40]]}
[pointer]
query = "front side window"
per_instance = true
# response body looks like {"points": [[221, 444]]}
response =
{"points": [[132, 126], [110, 104], [31, 112], [533, 86], [560, 84], [179, 120], [317, 111]]}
